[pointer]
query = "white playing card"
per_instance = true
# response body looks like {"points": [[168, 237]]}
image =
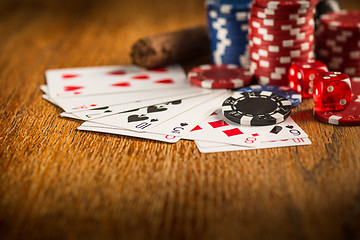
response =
{"points": [[183, 123], [216, 128], [207, 147], [46, 97], [80, 103], [44, 88], [111, 79], [111, 110], [88, 126], [144, 119]]}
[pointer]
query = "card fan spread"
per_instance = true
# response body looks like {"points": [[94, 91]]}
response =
{"points": [[149, 110]]}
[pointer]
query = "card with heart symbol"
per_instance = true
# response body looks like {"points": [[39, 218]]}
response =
{"points": [[88, 102], [111, 79]]}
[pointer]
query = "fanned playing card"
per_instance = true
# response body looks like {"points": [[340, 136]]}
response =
{"points": [[95, 127], [145, 118], [211, 147], [111, 79], [216, 128]]}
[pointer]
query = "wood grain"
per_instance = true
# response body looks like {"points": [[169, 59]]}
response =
{"points": [[60, 183]]}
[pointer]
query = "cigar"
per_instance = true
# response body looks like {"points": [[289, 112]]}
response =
{"points": [[163, 49]]}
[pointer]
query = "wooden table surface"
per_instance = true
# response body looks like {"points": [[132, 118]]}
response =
{"points": [[60, 183]]}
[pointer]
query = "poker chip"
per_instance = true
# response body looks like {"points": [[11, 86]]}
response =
{"points": [[228, 28], [258, 108], [293, 96], [286, 4], [280, 32], [267, 13], [337, 41], [220, 76], [350, 115], [342, 20]]}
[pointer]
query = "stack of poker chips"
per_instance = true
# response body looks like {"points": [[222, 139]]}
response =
{"points": [[280, 32], [228, 25], [338, 41]]}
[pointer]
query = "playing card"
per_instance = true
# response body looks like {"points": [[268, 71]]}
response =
{"points": [[87, 102], [88, 126], [111, 110], [209, 147], [145, 118], [44, 89], [187, 120], [216, 128], [111, 79]]}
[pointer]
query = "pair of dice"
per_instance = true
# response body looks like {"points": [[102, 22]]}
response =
{"points": [[331, 91]]}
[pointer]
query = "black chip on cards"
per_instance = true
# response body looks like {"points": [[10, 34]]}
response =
{"points": [[256, 108]]}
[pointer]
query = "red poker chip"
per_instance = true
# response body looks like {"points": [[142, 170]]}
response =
{"points": [[281, 27], [270, 75], [340, 37], [272, 38], [254, 52], [332, 42], [220, 76], [340, 62], [339, 53], [337, 30], [281, 12], [266, 13], [288, 33], [267, 80], [278, 23], [350, 115], [275, 48], [285, 44], [286, 4], [342, 20], [345, 55]]}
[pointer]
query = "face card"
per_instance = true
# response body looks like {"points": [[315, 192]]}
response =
{"points": [[216, 128], [145, 118], [87, 102], [208, 147], [88, 126], [111, 79], [111, 110]]}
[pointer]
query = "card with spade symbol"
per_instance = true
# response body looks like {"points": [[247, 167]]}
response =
{"points": [[111, 110], [145, 118], [95, 127], [184, 122], [111, 79]]}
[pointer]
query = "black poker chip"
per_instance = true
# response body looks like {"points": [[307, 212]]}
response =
{"points": [[258, 108]]}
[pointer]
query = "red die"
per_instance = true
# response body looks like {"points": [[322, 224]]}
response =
{"points": [[332, 91], [302, 74]]}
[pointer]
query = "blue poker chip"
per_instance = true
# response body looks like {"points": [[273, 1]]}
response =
{"points": [[228, 22], [293, 96]]}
